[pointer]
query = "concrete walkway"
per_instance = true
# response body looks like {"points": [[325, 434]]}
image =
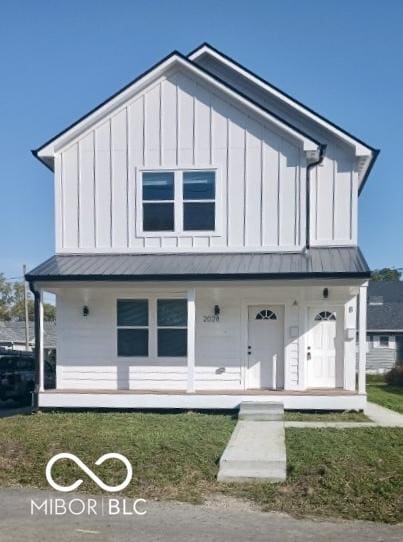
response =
{"points": [[256, 450], [383, 416], [334, 425], [379, 417]]}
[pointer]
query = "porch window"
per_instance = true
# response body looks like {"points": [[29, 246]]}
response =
{"points": [[172, 327], [132, 323]]}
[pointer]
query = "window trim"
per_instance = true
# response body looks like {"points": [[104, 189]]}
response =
{"points": [[178, 202]]}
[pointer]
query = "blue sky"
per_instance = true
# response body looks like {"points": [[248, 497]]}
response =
{"points": [[59, 59]]}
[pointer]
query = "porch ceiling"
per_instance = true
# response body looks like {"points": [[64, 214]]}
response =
{"points": [[331, 262]]}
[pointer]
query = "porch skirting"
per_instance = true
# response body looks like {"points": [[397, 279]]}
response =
{"points": [[336, 399]]}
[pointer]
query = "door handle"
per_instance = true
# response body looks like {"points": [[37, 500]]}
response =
{"points": [[249, 350], [308, 356]]}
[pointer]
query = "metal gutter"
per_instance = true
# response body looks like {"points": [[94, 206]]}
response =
{"points": [[322, 150]]}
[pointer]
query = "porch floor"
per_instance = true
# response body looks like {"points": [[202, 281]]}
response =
{"points": [[251, 392]]}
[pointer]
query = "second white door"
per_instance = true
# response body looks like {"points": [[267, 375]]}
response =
{"points": [[321, 348]]}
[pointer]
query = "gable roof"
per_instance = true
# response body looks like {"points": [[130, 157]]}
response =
{"points": [[387, 316], [362, 148], [46, 151]]}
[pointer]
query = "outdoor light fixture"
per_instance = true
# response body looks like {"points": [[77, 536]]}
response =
{"points": [[86, 311], [216, 310], [325, 293]]}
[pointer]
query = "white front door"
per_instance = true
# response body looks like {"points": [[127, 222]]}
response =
{"points": [[321, 348], [265, 346]]}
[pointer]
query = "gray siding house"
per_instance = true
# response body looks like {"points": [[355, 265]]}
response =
{"points": [[384, 326]]}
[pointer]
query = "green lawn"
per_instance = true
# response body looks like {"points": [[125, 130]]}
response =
{"points": [[351, 473], [320, 416], [384, 395]]}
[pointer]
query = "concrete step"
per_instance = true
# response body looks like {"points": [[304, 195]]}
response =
{"points": [[261, 411], [256, 452]]}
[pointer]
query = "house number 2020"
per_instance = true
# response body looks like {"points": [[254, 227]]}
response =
{"points": [[211, 318]]}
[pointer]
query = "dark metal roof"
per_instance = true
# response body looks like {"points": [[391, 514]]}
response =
{"points": [[387, 316], [317, 262]]}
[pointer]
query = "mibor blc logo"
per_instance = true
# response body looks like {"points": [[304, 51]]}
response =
{"points": [[89, 472], [101, 506]]}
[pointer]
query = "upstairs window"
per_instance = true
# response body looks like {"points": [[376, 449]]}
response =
{"points": [[198, 200], [178, 201], [158, 201]]}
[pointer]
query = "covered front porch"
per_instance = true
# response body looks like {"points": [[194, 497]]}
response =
{"points": [[205, 340]]}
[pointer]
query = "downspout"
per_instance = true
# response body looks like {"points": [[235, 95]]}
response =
{"points": [[38, 346], [311, 165]]}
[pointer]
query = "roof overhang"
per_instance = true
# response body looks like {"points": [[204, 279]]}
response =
{"points": [[47, 151], [317, 263], [365, 153]]}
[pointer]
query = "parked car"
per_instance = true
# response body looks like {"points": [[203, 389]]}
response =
{"points": [[17, 376]]}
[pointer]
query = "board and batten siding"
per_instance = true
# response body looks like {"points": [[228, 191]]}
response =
{"points": [[179, 123], [334, 183]]}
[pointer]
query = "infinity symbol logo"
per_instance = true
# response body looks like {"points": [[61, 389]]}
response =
{"points": [[88, 472]]}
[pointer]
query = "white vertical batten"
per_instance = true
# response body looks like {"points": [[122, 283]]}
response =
{"points": [[362, 331], [41, 355], [191, 338]]}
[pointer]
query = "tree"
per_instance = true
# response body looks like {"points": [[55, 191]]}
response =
{"points": [[12, 304], [18, 307], [387, 273], [6, 297], [49, 312]]}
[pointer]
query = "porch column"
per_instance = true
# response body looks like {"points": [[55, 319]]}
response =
{"points": [[39, 361], [362, 338], [41, 352], [191, 337]]}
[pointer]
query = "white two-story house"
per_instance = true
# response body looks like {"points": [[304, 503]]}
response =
{"points": [[206, 247]]}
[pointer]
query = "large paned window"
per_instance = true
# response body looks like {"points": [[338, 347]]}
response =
{"points": [[179, 201], [171, 327], [132, 324]]}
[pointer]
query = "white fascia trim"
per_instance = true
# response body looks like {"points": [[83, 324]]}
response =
{"points": [[50, 149], [360, 149]]}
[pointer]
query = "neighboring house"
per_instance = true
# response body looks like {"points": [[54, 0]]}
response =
{"points": [[12, 336], [206, 246], [385, 325]]}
